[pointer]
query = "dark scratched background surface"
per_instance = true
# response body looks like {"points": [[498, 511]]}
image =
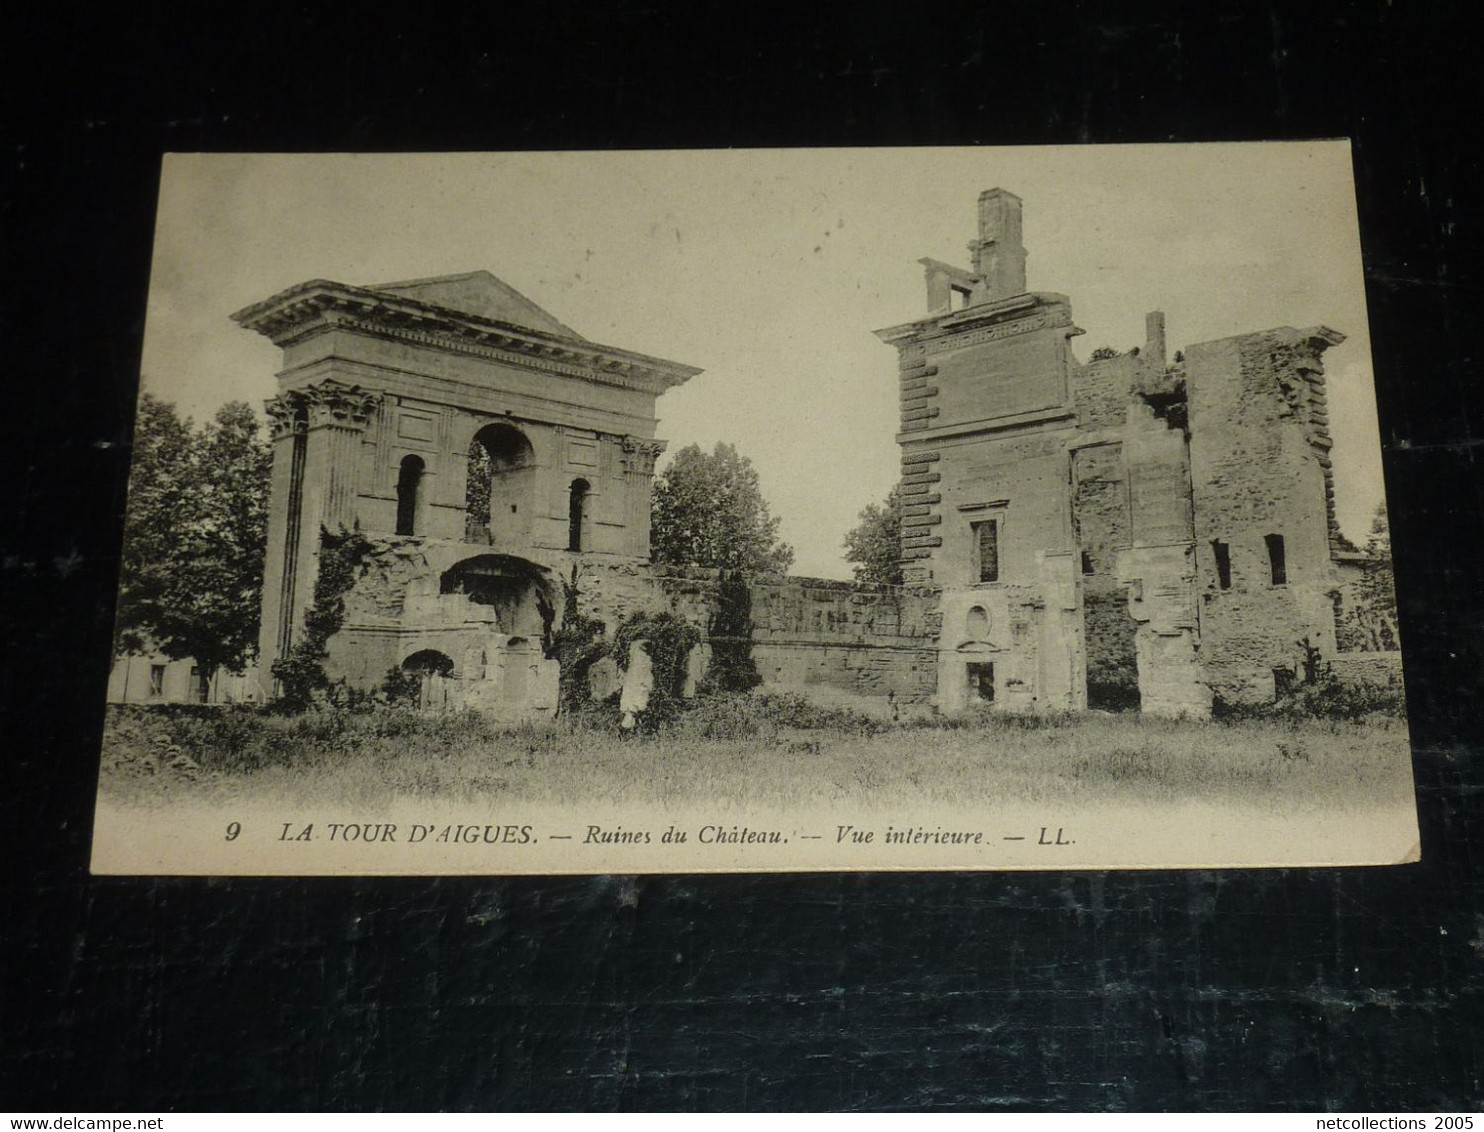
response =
{"points": [[1309, 989]]}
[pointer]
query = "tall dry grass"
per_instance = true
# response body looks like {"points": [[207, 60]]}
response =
{"points": [[751, 751]]}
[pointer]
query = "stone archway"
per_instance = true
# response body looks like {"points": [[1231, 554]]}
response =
{"points": [[519, 592], [500, 492]]}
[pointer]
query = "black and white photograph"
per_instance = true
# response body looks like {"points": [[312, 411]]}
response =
{"points": [[756, 510]]}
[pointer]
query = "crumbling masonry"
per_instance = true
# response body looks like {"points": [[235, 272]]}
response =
{"points": [[1128, 532]]}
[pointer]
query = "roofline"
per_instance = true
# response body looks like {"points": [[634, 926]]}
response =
{"points": [[1006, 310], [293, 309]]}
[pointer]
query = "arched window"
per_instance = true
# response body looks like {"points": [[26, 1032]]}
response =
{"points": [[577, 513], [501, 486], [409, 488]]}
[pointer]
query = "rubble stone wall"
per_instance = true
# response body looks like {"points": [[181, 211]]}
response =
{"points": [[1378, 669], [1259, 447], [812, 633]]}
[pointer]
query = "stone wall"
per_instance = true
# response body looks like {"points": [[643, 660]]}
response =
{"points": [[837, 637], [1259, 447], [1377, 669], [1101, 390], [815, 634]]}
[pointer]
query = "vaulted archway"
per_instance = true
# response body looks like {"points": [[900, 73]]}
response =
{"points": [[500, 496]]}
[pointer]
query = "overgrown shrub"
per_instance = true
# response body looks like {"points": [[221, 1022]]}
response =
{"points": [[763, 715], [302, 680], [721, 715], [401, 687], [1114, 691], [670, 640], [1321, 695], [789, 709], [982, 717], [577, 646]]}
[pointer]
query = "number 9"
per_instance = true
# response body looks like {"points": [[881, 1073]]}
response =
{"points": [[233, 829]]}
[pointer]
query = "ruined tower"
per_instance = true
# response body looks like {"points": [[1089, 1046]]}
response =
{"points": [[987, 409], [476, 441], [1126, 532]]}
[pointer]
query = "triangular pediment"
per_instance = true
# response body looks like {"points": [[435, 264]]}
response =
{"points": [[479, 293]]}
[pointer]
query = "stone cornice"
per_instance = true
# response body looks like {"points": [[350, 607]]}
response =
{"points": [[1003, 317], [320, 304]]}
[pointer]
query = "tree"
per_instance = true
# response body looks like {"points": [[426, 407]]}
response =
{"points": [[158, 498], [1377, 589], [709, 511], [875, 544], [732, 668], [194, 537]]}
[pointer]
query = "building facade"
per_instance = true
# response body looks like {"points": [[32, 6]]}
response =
{"points": [[1134, 531], [478, 446]]}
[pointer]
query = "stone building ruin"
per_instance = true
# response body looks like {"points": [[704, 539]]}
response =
{"points": [[1130, 530], [481, 446], [1134, 531]]}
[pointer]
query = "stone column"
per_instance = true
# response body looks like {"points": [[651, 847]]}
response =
{"points": [[999, 254], [316, 462], [280, 561], [639, 457], [337, 419]]}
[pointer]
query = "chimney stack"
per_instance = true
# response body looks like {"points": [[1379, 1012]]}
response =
{"points": [[1154, 338], [999, 256]]}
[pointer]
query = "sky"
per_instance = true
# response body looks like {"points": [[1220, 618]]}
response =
{"points": [[770, 269]]}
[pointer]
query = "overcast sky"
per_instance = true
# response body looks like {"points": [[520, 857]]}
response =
{"points": [[770, 269]]}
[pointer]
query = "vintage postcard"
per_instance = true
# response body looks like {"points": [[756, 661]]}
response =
{"points": [[756, 511]]}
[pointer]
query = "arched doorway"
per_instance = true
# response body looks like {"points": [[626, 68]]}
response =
{"points": [[428, 662], [436, 690], [499, 498], [519, 593]]}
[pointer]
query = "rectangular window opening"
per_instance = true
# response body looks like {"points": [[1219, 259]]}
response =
{"points": [[1223, 563], [981, 682], [1284, 681], [986, 550], [1277, 560], [1087, 567]]}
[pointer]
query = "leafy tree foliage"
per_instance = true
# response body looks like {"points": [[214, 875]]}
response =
{"points": [[194, 536], [1378, 585], [1102, 354], [875, 544], [301, 675], [578, 645], [477, 493], [708, 510], [732, 667]]}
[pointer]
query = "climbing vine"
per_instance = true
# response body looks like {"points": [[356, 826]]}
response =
{"points": [[669, 639], [301, 675], [577, 645]]}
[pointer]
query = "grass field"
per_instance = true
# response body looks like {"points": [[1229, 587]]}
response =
{"points": [[772, 751]]}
